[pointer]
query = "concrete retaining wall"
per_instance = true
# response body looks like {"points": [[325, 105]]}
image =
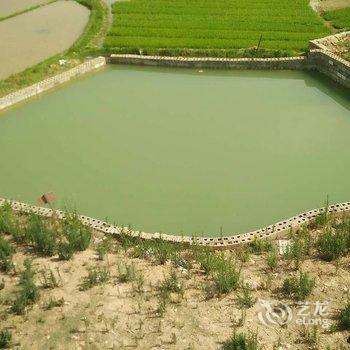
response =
{"points": [[325, 61], [49, 83], [274, 231], [295, 63], [331, 65]]}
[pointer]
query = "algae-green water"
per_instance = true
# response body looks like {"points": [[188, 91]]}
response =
{"points": [[182, 151]]}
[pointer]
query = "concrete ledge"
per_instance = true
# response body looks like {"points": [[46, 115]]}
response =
{"points": [[274, 231], [294, 63], [325, 61], [44, 85]]}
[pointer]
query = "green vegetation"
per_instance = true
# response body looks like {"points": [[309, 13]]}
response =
{"points": [[241, 341], [96, 275], [40, 235], [5, 339], [222, 28], [76, 235], [51, 303], [104, 247], [6, 252], [332, 244], [259, 246], [272, 260], [246, 300], [171, 284], [29, 293], [344, 318], [85, 45], [298, 287], [223, 270], [339, 18]]}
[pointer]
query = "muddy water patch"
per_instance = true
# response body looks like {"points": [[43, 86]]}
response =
{"points": [[9, 7], [34, 36]]}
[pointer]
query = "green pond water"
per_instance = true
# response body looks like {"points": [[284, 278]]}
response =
{"points": [[182, 151]]}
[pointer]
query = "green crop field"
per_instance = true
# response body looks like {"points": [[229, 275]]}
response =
{"points": [[222, 27], [339, 18]]}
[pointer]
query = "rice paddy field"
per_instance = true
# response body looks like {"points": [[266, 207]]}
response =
{"points": [[222, 27], [339, 18]]}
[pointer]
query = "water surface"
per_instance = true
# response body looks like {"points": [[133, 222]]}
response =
{"points": [[180, 151], [36, 35]]}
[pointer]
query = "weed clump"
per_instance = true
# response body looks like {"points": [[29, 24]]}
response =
{"points": [[29, 293], [41, 236], [171, 284], [272, 260], [76, 233], [298, 287], [259, 246], [104, 247], [95, 276], [241, 342], [344, 318], [6, 252], [9, 222], [5, 339], [332, 244], [245, 300]]}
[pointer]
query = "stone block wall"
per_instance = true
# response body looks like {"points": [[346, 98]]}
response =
{"points": [[294, 63], [275, 231]]}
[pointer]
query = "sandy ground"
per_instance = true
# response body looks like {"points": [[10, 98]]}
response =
{"points": [[116, 315]]}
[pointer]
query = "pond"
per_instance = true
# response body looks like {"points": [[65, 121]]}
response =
{"points": [[34, 36], [182, 151]]}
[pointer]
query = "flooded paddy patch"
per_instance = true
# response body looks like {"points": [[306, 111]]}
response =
{"points": [[9, 7], [34, 36]]}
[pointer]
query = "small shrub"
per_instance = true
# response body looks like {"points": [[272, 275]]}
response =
{"points": [[321, 219], [259, 246], [164, 251], [332, 244], [241, 342], [5, 339], [9, 222], [171, 284], [65, 251], [104, 247], [296, 251], [344, 318], [95, 276], [6, 252], [75, 232], [272, 260], [298, 287], [51, 303], [41, 236], [126, 274], [226, 276], [48, 279], [29, 293], [245, 300]]}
